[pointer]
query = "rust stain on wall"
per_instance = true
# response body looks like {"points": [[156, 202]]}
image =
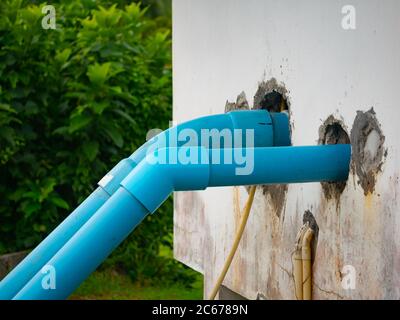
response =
{"points": [[355, 227], [189, 224]]}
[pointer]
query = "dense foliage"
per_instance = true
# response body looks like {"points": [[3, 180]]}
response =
{"points": [[73, 102]]}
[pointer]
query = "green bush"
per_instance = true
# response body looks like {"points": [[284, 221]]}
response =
{"points": [[73, 102]]}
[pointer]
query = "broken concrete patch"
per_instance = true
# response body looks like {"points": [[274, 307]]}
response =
{"points": [[332, 132], [308, 218], [367, 142], [277, 196], [272, 96], [240, 104]]}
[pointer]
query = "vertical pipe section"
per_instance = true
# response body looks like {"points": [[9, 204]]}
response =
{"points": [[298, 264], [307, 265]]}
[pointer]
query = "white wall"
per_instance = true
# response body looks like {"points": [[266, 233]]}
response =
{"points": [[224, 47]]}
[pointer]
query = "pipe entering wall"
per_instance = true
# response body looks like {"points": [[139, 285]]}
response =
{"points": [[140, 191], [260, 121], [303, 256], [273, 96], [332, 131]]}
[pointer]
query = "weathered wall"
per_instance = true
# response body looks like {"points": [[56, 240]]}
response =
{"points": [[224, 47], [9, 261]]}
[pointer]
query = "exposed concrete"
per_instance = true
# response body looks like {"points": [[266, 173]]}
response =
{"points": [[368, 151], [272, 96], [225, 293], [269, 95], [240, 104], [276, 195], [308, 218], [329, 71], [332, 132]]}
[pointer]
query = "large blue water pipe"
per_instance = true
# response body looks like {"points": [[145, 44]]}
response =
{"points": [[270, 129], [152, 180]]}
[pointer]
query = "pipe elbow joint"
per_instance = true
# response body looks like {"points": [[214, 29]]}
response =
{"points": [[161, 172]]}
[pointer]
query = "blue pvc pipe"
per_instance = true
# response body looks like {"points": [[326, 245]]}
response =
{"points": [[278, 165], [142, 191], [21, 274], [36, 259], [272, 165], [269, 129], [81, 255]]}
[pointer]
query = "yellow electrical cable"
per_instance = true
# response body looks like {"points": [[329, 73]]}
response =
{"points": [[235, 245]]}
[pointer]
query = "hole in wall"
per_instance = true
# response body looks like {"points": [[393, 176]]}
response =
{"points": [[272, 96], [332, 132], [368, 151], [308, 218]]}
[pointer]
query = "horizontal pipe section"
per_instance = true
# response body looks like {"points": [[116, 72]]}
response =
{"points": [[218, 167], [270, 129], [150, 183], [259, 120], [277, 165]]}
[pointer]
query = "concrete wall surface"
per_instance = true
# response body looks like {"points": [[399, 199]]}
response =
{"points": [[329, 73]]}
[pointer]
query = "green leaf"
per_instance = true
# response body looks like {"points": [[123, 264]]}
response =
{"points": [[107, 17], [115, 136], [17, 195], [32, 195], [116, 89], [98, 107], [47, 186], [78, 122], [57, 201], [28, 208], [61, 130], [91, 149], [6, 107], [125, 116], [13, 77], [98, 73], [62, 56]]}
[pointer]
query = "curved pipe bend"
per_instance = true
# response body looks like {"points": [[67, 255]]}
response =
{"points": [[269, 129], [270, 165], [150, 183]]}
